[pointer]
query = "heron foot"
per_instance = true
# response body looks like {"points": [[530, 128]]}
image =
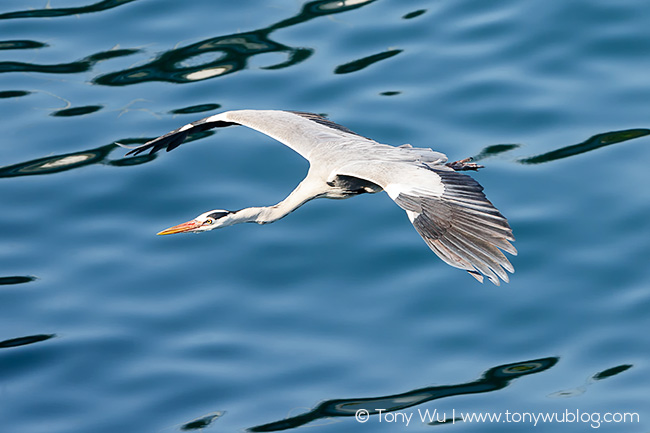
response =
{"points": [[464, 164]]}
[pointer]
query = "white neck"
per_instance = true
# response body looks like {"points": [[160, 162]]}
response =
{"points": [[260, 215], [304, 192]]}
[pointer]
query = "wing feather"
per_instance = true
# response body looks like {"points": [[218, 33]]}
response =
{"points": [[461, 225], [298, 130], [448, 209], [451, 213]]}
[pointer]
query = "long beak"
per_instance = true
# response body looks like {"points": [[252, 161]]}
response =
{"points": [[181, 228]]}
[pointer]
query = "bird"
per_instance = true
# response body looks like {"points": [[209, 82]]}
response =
{"points": [[447, 208]]}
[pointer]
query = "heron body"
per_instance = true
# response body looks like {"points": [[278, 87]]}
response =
{"points": [[446, 207]]}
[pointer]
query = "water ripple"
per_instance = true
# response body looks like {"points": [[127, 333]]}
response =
{"points": [[202, 422], [197, 61], [493, 379], [414, 14], [13, 93], [196, 109], [592, 143], [70, 161], [21, 45], [79, 66], [23, 341], [581, 389], [20, 279], [364, 62], [77, 111], [63, 12]]}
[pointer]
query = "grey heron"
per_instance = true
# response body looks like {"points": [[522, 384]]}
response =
{"points": [[447, 208]]}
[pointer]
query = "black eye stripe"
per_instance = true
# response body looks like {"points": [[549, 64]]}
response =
{"points": [[217, 215]]}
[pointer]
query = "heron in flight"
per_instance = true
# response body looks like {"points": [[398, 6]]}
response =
{"points": [[447, 208]]}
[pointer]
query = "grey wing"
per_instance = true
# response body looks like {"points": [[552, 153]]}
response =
{"points": [[300, 131], [451, 213], [462, 226]]}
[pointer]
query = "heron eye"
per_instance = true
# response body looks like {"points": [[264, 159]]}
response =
{"points": [[208, 222]]}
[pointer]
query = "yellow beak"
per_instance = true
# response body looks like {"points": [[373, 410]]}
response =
{"points": [[181, 228]]}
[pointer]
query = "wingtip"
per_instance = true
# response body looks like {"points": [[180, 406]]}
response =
{"points": [[476, 275], [493, 279]]}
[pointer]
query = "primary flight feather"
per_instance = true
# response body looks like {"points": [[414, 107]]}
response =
{"points": [[446, 207]]}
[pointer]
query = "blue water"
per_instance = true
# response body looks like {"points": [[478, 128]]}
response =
{"points": [[105, 327]]}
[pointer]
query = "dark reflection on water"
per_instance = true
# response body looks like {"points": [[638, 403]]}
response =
{"points": [[82, 65], [493, 379], [21, 45], [176, 65], [22, 341], [494, 150], [202, 422], [581, 389], [69, 161], [13, 93], [62, 12], [196, 61], [77, 111], [359, 64], [18, 279], [612, 371], [414, 14], [196, 109], [592, 143]]}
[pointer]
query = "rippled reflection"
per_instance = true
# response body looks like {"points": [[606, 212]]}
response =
{"points": [[13, 93], [214, 57], [77, 111], [82, 65], [21, 45], [592, 143], [494, 150], [202, 422], [611, 371], [581, 389], [183, 65], [19, 279], [22, 341], [359, 64], [69, 161], [223, 55], [196, 109], [63, 12], [493, 379], [414, 14]]}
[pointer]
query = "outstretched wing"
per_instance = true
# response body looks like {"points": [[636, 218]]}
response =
{"points": [[298, 130], [450, 212]]}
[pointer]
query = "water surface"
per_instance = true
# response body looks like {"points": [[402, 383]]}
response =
{"points": [[340, 306]]}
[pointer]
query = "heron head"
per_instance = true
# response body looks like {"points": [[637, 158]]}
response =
{"points": [[210, 220]]}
